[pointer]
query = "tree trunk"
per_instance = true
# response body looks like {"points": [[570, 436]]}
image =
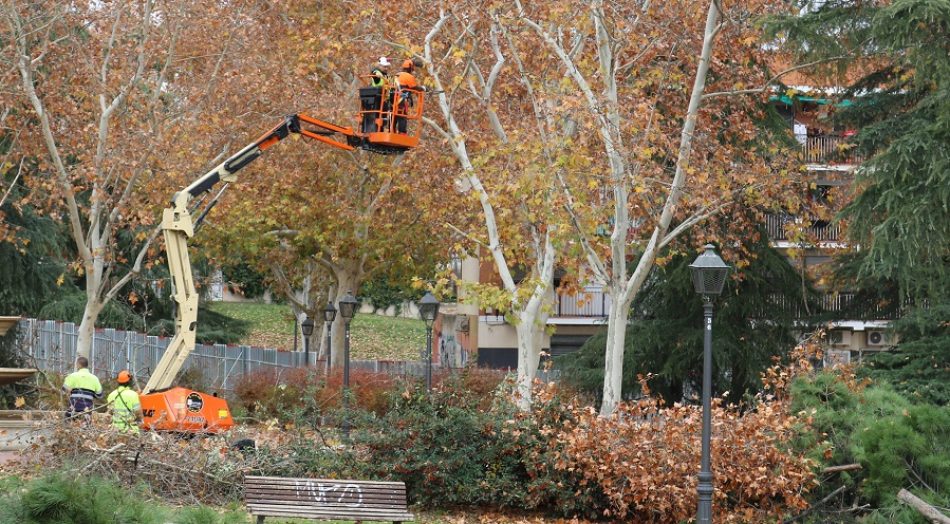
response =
{"points": [[530, 331], [348, 279], [87, 328], [613, 353]]}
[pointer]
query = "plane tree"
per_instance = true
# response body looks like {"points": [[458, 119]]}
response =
{"points": [[102, 96]]}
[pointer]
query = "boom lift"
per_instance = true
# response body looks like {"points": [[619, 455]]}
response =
{"points": [[178, 409]]}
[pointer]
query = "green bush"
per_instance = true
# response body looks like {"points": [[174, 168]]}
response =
{"points": [[899, 444], [73, 498], [60, 498], [450, 452]]}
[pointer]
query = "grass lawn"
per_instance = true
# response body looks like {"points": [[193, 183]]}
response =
{"points": [[371, 336]]}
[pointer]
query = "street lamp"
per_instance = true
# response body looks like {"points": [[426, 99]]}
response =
{"points": [[709, 276], [428, 310], [347, 309], [307, 328], [329, 313]]}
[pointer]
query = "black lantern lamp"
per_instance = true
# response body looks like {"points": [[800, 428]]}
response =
{"points": [[428, 310], [709, 277], [307, 327], [709, 272], [348, 306], [329, 312]]}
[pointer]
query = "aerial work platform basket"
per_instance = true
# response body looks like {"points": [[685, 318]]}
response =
{"points": [[390, 117]]}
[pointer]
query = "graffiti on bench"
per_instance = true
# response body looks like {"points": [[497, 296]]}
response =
{"points": [[350, 495]]}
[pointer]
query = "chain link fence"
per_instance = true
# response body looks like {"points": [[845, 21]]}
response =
{"points": [[51, 346]]}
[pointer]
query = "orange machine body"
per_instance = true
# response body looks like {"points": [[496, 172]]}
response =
{"points": [[184, 410]]}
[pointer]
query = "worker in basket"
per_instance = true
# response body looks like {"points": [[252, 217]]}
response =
{"points": [[125, 405], [406, 83], [371, 98]]}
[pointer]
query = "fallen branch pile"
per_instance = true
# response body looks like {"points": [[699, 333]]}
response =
{"points": [[181, 469]]}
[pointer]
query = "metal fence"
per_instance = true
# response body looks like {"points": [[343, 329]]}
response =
{"points": [[51, 346]]}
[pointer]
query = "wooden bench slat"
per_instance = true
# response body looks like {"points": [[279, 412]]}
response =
{"points": [[389, 483], [381, 506], [306, 493], [280, 511], [323, 511], [313, 495], [370, 487], [330, 497]]}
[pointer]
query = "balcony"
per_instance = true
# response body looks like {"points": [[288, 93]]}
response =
{"points": [[817, 231], [837, 305], [594, 304], [829, 150], [590, 303]]}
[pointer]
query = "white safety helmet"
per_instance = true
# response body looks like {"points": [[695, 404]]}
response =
{"points": [[384, 62]]}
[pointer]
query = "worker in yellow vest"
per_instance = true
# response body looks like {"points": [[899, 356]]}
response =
{"points": [[82, 387], [125, 405]]}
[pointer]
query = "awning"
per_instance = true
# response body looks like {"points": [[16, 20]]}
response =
{"points": [[787, 100]]}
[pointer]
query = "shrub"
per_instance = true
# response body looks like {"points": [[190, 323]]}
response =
{"points": [[645, 459], [74, 499], [61, 498], [899, 444], [450, 453], [303, 394]]}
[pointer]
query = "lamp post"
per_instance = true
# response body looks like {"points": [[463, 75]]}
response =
{"points": [[347, 309], [329, 313], [428, 310], [307, 327], [709, 276]]}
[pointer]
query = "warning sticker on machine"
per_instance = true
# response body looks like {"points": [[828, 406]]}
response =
{"points": [[194, 402]]}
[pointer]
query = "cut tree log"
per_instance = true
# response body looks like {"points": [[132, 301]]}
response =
{"points": [[925, 509], [843, 467]]}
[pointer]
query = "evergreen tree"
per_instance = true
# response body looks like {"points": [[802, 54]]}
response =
{"points": [[899, 218], [32, 262], [665, 335]]}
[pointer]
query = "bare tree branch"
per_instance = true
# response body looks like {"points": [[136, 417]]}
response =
{"points": [[772, 80], [13, 183]]}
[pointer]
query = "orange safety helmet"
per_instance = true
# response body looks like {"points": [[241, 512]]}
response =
{"points": [[124, 377], [407, 65]]}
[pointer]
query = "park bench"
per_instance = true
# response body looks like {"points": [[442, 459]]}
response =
{"points": [[325, 499]]}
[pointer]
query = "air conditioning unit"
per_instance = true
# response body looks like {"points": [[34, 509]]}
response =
{"points": [[839, 338], [837, 357], [879, 338]]}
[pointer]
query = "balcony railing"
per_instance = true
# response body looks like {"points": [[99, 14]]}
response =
{"points": [[820, 231], [588, 304], [596, 304], [836, 303], [829, 149]]}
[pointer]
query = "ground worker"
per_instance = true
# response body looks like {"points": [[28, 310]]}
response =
{"points": [[82, 387], [124, 404]]}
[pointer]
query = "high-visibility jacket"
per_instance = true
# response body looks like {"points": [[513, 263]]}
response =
{"points": [[125, 406], [407, 80], [82, 384], [378, 78]]}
